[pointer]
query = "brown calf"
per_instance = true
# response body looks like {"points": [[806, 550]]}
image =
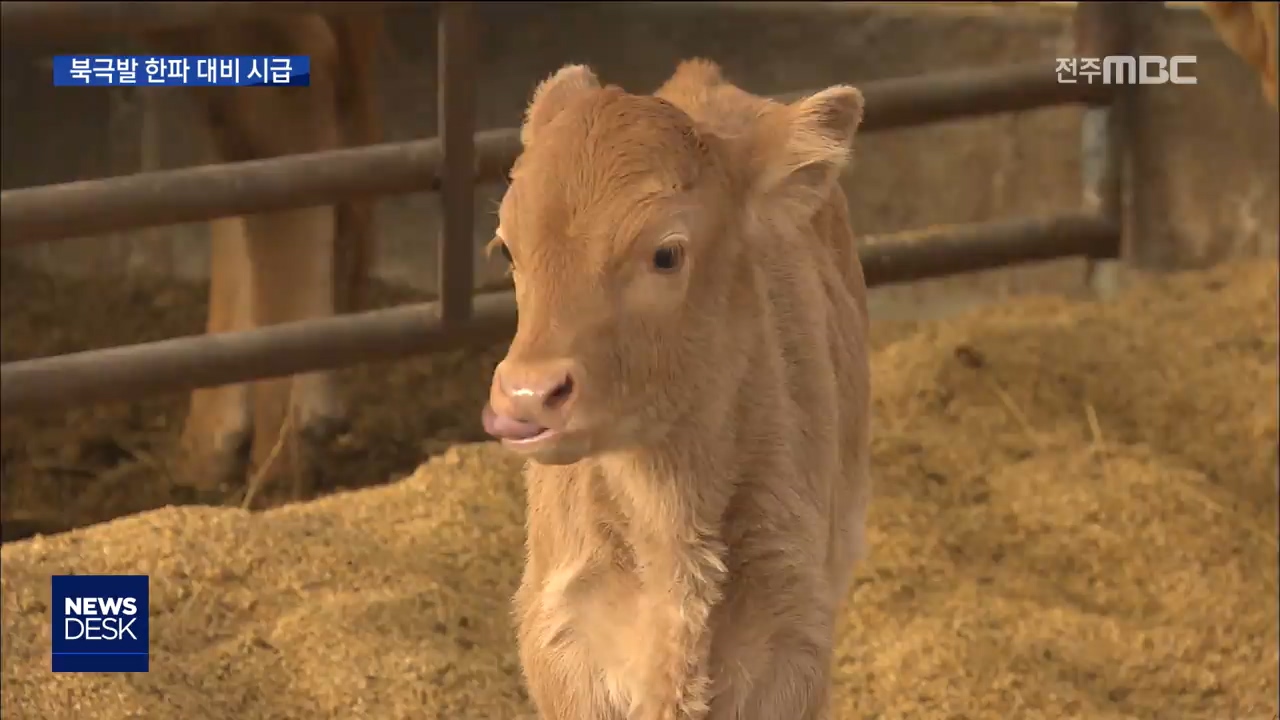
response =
{"points": [[279, 267], [689, 379]]}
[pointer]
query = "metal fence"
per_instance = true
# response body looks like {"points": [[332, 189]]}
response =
{"points": [[452, 164]]}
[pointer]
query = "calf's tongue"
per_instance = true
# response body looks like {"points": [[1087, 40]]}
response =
{"points": [[506, 428]]}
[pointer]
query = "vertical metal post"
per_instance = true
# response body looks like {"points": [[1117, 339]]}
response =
{"points": [[1102, 29], [456, 96]]}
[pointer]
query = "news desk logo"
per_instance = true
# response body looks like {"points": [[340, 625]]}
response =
{"points": [[100, 623], [1128, 70], [181, 70]]}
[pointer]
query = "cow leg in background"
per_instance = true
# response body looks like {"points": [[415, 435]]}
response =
{"points": [[292, 279], [292, 256], [217, 434], [286, 267]]}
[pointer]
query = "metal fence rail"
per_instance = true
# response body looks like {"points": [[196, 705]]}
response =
{"points": [[451, 165], [168, 197], [131, 371]]}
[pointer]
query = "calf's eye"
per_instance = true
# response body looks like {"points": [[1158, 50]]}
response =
{"points": [[668, 258]]}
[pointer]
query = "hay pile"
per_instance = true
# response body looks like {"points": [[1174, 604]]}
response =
{"points": [[1076, 518]]}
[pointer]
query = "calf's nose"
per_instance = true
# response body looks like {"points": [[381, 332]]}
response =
{"points": [[538, 389], [525, 398]]}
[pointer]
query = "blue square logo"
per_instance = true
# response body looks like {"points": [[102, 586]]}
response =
{"points": [[101, 623]]}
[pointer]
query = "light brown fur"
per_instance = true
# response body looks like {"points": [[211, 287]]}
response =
{"points": [[694, 524], [1249, 29], [288, 265]]}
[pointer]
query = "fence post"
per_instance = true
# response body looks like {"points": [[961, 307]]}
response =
{"points": [[1102, 29], [456, 95]]}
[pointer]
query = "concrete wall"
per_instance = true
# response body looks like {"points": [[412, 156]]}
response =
{"points": [[1206, 159]]}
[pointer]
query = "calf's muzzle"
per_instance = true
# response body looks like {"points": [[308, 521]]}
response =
{"points": [[530, 400]]}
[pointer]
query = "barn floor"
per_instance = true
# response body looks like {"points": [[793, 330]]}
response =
{"points": [[1076, 517]]}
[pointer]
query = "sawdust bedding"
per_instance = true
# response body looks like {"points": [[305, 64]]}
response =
{"points": [[1076, 518]]}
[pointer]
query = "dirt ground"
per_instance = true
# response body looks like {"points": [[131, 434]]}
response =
{"points": [[1076, 517]]}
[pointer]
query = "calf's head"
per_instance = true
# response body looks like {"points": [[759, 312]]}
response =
{"points": [[624, 226]]}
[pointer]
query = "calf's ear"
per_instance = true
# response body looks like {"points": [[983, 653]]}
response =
{"points": [[553, 95], [811, 146]]}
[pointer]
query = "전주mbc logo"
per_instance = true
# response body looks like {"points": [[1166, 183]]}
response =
{"points": [[100, 623], [1128, 70]]}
